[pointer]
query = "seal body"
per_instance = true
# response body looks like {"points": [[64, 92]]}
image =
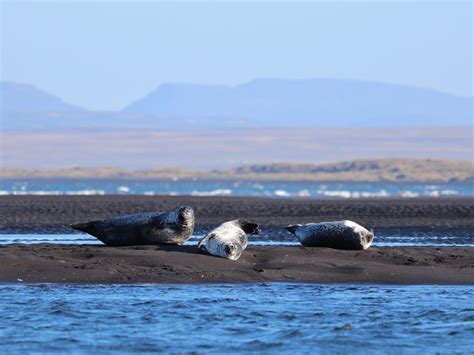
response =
{"points": [[228, 240], [143, 228], [338, 235]]}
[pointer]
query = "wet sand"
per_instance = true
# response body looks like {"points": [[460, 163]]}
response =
{"points": [[54, 214], [172, 264]]}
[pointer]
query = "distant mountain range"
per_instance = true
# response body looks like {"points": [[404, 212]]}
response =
{"points": [[263, 102]]}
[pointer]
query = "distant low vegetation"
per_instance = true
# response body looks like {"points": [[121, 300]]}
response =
{"points": [[370, 170]]}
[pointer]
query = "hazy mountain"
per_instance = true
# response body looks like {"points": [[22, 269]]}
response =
{"points": [[265, 102], [310, 102], [25, 107], [17, 98]]}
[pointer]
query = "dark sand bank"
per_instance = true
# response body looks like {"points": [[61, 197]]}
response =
{"points": [[54, 214], [172, 264]]}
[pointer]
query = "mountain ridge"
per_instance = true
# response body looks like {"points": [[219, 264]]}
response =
{"points": [[343, 102], [257, 103]]}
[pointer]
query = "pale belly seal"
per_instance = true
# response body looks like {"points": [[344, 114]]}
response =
{"points": [[228, 240], [338, 235], [143, 228]]}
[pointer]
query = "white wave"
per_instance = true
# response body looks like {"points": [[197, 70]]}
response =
{"points": [[217, 192], [304, 193], [53, 193], [281, 193], [123, 189], [449, 192], [345, 194], [353, 194], [438, 193], [85, 192], [409, 194]]}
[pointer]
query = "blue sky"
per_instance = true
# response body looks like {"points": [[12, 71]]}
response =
{"points": [[103, 55]]}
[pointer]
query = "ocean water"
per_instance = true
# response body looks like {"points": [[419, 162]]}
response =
{"points": [[257, 318], [277, 189], [463, 238]]}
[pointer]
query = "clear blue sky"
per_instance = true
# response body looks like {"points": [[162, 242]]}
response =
{"points": [[105, 55]]}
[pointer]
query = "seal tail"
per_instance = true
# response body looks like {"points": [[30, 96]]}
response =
{"points": [[292, 228], [88, 227]]}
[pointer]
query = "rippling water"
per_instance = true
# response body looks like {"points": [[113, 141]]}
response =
{"points": [[234, 318], [464, 238], [279, 189]]}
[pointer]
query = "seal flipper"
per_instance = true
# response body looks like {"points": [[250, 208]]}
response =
{"points": [[249, 227], [202, 244], [292, 228], [159, 223]]}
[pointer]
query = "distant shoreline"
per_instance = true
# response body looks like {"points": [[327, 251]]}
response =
{"points": [[389, 170], [228, 179]]}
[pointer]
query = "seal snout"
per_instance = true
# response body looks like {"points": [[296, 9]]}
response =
{"points": [[232, 251], [229, 249], [185, 213]]}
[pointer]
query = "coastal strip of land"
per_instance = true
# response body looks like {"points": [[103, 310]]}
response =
{"points": [[360, 170]]}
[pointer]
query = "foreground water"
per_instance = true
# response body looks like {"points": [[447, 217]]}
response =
{"points": [[279, 189], [234, 318]]}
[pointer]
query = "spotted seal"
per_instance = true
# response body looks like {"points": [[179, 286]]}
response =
{"points": [[143, 228], [228, 240], [338, 235]]}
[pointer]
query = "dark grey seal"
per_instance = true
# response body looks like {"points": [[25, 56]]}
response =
{"points": [[143, 228], [228, 240], [338, 235]]}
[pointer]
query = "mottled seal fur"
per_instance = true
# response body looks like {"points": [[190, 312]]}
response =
{"points": [[143, 228], [338, 235], [228, 240]]}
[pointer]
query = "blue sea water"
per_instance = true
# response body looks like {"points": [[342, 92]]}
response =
{"points": [[256, 318], [278, 189], [459, 238]]}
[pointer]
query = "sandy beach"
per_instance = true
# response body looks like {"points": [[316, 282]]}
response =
{"points": [[172, 264]]}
